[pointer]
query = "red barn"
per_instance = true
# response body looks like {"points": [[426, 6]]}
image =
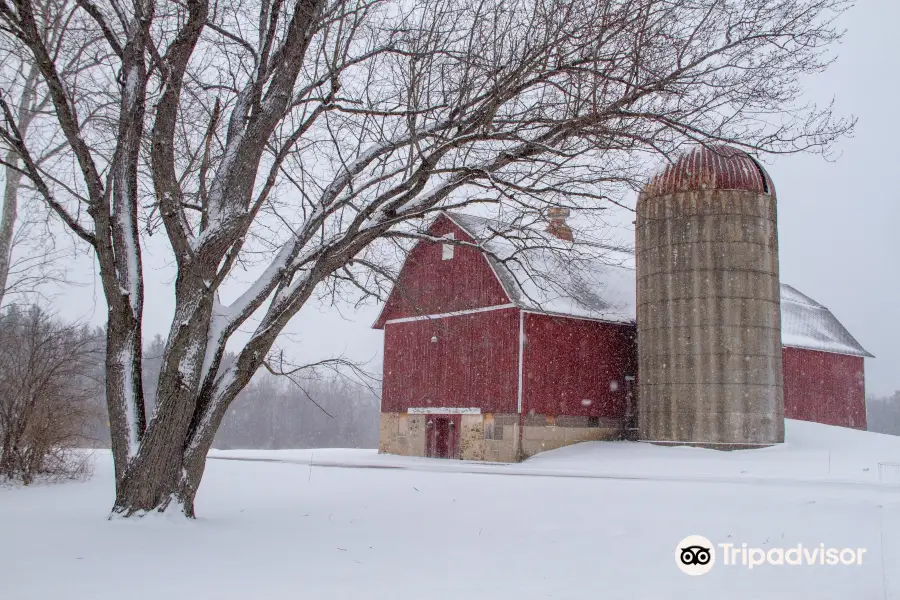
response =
{"points": [[501, 354], [824, 376], [489, 359]]}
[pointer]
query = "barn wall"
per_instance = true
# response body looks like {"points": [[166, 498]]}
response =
{"points": [[472, 363], [568, 361], [824, 387], [574, 387], [430, 285]]}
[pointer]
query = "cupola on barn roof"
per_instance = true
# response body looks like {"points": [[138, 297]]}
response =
{"points": [[713, 167]]}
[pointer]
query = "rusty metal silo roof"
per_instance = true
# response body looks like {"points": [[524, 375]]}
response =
{"points": [[714, 167]]}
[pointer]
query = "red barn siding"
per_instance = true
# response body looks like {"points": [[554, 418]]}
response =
{"points": [[570, 360], [429, 285], [824, 388], [474, 362]]}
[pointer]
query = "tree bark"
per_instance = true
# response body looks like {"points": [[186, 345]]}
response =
{"points": [[167, 470], [156, 480]]}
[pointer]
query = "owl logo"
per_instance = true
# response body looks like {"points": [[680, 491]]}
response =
{"points": [[695, 555]]}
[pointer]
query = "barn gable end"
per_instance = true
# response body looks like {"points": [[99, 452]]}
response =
{"points": [[824, 387], [429, 284], [451, 355]]}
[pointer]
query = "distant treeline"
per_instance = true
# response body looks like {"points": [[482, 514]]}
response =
{"points": [[272, 412], [330, 411], [883, 414]]}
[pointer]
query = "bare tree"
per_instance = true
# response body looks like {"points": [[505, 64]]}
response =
{"points": [[11, 185], [301, 141], [46, 391], [28, 251]]}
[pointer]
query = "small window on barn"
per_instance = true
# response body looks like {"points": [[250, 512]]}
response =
{"points": [[447, 249], [493, 432]]}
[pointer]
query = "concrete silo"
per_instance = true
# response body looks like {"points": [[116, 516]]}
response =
{"points": [[708, 303]]}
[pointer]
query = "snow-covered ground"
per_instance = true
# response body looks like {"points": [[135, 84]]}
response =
{"points": [[596, 520]]}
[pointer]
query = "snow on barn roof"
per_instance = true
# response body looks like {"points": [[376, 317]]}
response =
{"points": [[546, 280], [807, 324]]}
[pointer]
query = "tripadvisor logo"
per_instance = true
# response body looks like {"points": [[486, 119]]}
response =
{"points": [[696, 555]]}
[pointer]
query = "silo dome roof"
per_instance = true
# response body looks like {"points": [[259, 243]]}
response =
{"points": [[713, 167]]}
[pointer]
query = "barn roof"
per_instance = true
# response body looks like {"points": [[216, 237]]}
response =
{"points": [[543, 279], [603, 287], [807, 324]]}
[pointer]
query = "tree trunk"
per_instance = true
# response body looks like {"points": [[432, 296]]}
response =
{"points": [[164, 475], [8, 219], [13, 179], [145, 495], [156, 477], [166, 471], [158, 480]]}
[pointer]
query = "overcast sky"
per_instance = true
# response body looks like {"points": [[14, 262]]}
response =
{"points": [[839, 222]]}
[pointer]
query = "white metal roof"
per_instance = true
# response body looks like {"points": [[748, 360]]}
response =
{"points": [[548, 279], [807, 324]]}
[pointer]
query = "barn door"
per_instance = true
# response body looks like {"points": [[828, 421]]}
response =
{"points": [[442, 436]]}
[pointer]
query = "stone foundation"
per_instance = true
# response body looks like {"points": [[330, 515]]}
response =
{"points": [[495, 437], [402, 434], [500, 437], [545, 432]]}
